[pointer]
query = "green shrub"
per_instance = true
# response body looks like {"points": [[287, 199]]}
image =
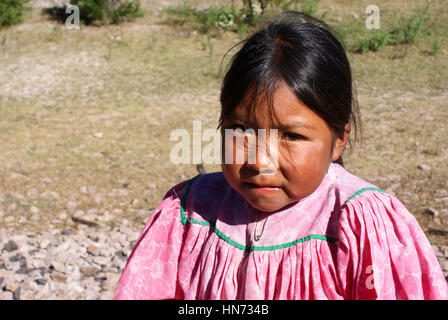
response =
{"points": [[407, 31], [204, 21], [374, 41], [410, 30], [222, 18], [127, 11], [11, 12], [108, 11], [435, 47]]}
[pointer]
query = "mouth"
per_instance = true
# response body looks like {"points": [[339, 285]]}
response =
{"points": [[262, 188]]}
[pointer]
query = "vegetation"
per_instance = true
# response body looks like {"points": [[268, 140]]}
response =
{"points": [[101, 12], [11, 12], [215, 20], [249, 13]]}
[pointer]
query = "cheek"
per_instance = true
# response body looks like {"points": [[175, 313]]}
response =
{"points": [[232, 173], [306, 160]]}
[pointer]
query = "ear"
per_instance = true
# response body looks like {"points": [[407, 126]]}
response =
{"points": [[340, 143]]}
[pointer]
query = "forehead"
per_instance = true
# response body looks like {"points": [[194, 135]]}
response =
{"points": [[283, 109]]}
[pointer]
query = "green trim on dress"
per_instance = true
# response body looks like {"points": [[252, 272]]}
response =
{"points": [[186, 220], [357, 193]]}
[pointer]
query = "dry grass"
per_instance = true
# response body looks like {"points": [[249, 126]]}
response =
{"points": [[86, 115]]}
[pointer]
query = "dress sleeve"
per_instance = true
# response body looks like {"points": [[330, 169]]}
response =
{"points": [[384, 254], [151, 270]]}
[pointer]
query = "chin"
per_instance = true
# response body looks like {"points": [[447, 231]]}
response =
{"points": [[267, 206]]}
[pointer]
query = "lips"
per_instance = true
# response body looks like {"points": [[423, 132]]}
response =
{"points": [[257, 186], [264, 189]]}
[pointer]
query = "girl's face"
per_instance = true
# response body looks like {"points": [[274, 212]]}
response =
{"points": [[306, 147]]}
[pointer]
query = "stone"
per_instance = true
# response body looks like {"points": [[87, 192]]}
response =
{"points": [[97, 199], [80, 217], [34, 210], [10, 286], [50, 195], [433, 212], [424, 167], [10, 246], [6, 295], [445, 251], [144, 213], [9, 219], [12, 207], [58, 266], [89, 271], [44, 243], [92, 249], [59, 277], [32, 193], [66, 232], [46, 180], [101, 276], [16, 294], [93, 211], [71, 205], [102, 261]]}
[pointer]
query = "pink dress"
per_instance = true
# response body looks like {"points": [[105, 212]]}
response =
{"points": [[347, 240]]}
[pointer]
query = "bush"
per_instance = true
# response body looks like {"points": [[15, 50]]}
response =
{"points": [[249, 13], [204, 21], [108, 11], [374, 41], [407, 31], [410, 30], [11, 12]]}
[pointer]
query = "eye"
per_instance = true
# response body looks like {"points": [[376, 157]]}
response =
{"points": [[242, 127], [293, 136]]}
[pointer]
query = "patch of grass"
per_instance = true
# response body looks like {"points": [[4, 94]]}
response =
{"points": [[431, 152], [411, 30], [99, 11], [374, 41], [12, 12], [239, 17], [407, 31], [435, 47], [207, 20]]}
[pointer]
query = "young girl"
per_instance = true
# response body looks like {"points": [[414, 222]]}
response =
{"points": [[300, 226]]}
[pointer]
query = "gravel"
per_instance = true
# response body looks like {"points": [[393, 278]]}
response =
{"points": [[83, 263]]}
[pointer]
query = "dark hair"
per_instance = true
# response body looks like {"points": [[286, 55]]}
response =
{"points": [[302, 52]]}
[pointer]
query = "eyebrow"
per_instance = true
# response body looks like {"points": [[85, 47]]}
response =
{"points": [[295, 124], [282, 126]]}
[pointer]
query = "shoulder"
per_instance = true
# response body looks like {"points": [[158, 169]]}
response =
{"points": [[200, 198], [374, 220], [366, 206], [210, 195], [210, 181], [382, 248], [200, 184]]}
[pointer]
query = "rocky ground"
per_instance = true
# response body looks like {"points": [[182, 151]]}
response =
{"points": [[81, 264]]}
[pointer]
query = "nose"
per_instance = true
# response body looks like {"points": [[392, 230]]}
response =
{"points": [[263, 157]]}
